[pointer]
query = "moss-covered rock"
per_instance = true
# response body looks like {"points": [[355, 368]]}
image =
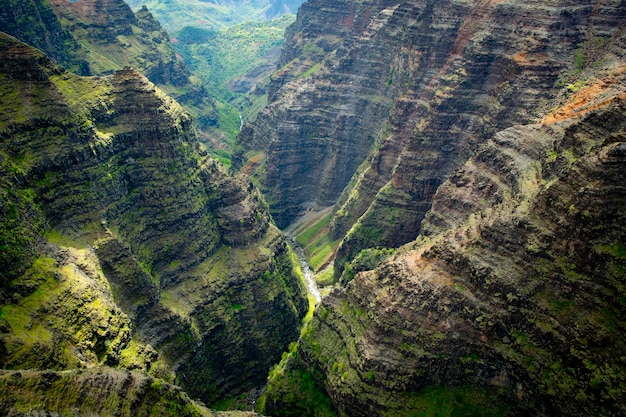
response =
{"points": [[510, 303], [156, 260], [98, 391]]}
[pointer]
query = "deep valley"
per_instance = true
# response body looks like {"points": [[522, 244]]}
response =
{"points": [[452, 172]]}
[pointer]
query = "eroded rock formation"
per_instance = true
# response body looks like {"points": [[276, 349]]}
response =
{"points": [[406, 91], [511, 301], [124, 243]]}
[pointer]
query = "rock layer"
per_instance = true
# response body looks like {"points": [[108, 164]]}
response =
{"points": [[174, 251], [512, 300], [417, 86], [98, 391]]}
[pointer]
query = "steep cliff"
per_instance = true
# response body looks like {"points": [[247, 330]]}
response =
{"points": [[114, 37], [123, 244], [97, 37], [511, 301], [377, 102], [34, 22]]}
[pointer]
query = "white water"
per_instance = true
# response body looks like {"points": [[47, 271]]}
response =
{"points": [[306, 270]]}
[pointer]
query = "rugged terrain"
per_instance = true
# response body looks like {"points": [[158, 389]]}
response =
{"points": [[377, 102], [467, 158], [97, 37], [213, 15], [123, 244], [511, 300]]}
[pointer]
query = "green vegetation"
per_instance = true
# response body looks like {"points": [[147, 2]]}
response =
{"points": [[366, 260], [466, 401], [222, 56], [62, 318], [162, 253], [311, 70], [174, 15], [297, 271], [316, 242], [230, 61], [617, 250], [21, 231], [293, 391], [96, 391]]}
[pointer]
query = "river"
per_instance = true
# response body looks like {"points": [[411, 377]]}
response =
{"points": [[306, 271]]}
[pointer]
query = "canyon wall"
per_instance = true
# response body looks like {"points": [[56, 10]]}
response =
{"points": [[123, 244], [510, 302], [377, 102]]}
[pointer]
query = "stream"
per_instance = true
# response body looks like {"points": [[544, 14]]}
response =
{"points": [[306, 270]]}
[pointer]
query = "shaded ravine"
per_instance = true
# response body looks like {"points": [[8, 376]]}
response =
{"points": [[311, 285]]}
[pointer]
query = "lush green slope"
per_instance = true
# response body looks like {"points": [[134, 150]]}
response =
{"points": [[212, 15], [99, 391], [222, 57], [235, 64], [124, 244]]}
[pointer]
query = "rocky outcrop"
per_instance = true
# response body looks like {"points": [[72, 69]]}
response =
{"points": [[511, 301], [34, 22], [135, 248], [116, 35], [99, 391], [406, 91]]}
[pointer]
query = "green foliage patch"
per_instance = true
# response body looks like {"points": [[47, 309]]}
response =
{"points": [[465, 401], [294, 391], [21, 231], [317, 244], [225, 54]]}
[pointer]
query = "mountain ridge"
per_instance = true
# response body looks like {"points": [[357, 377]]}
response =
{"points": [[509, 302], [388, 98], [127, 204]]}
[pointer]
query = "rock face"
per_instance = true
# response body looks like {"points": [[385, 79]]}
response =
{"points": [[97, 391], [97, 37], [101, 391], [111, 28], [511, 301], [34, 22], [123, 244], [406, 91]]}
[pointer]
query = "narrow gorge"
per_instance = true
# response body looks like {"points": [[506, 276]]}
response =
{"points": [[451, 174]]}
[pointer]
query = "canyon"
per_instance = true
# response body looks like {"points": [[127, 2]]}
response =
{"points": [[462, 162], [124, 244]]}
